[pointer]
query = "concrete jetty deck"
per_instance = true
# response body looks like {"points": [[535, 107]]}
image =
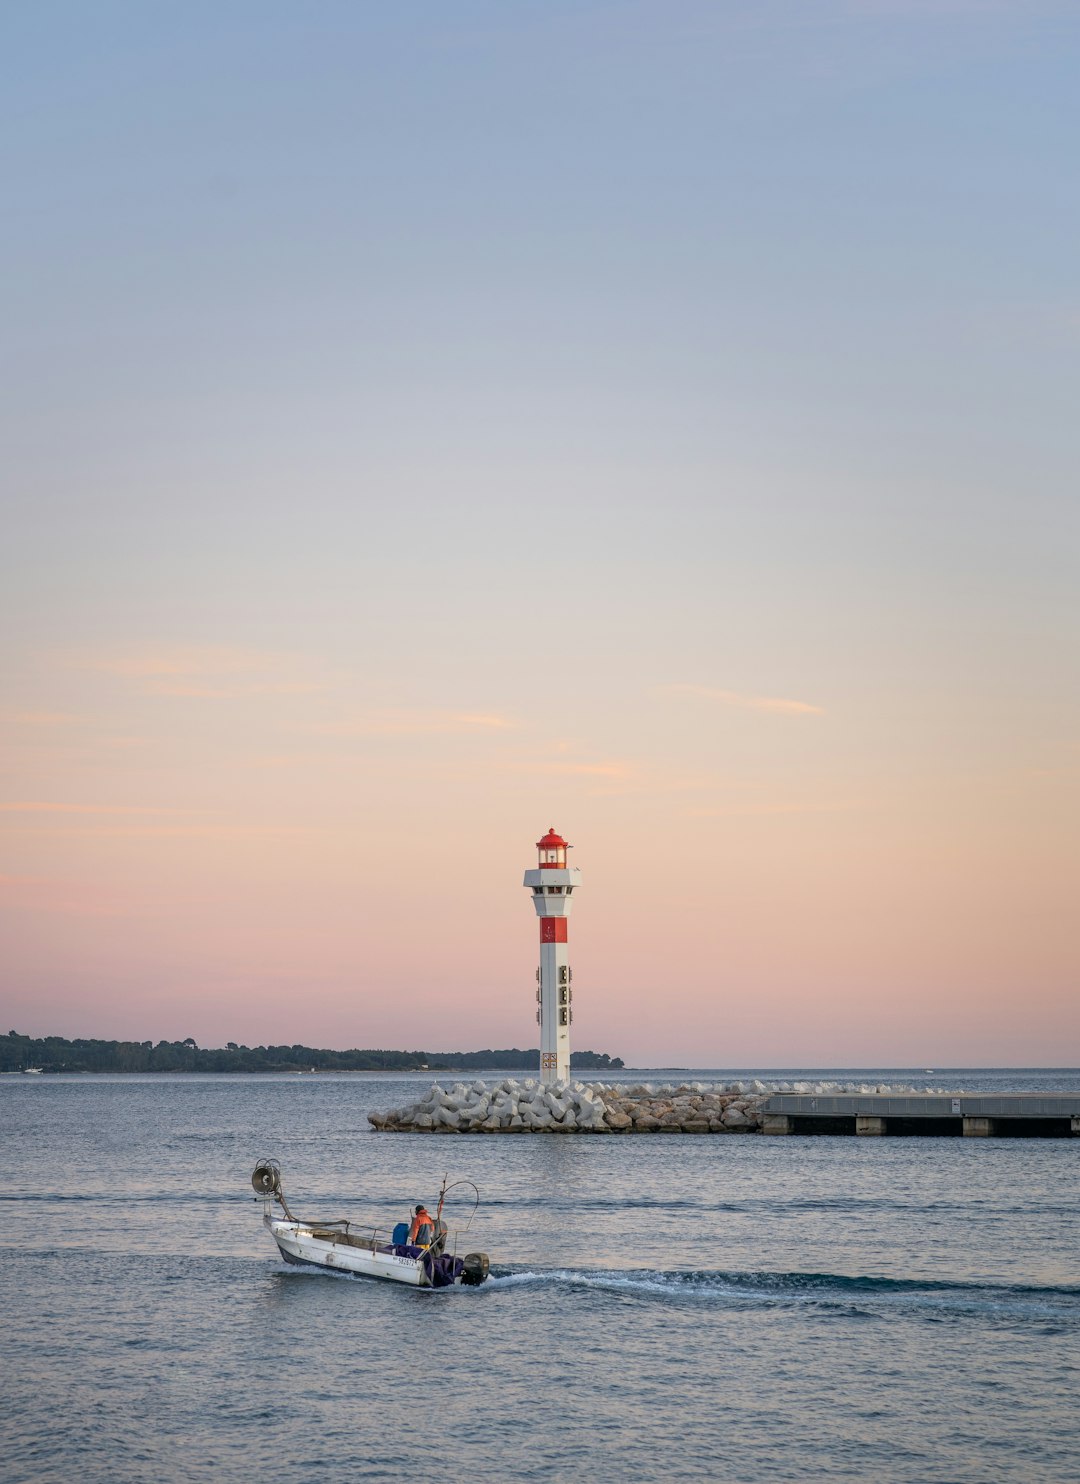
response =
{"points": [[973, 1115]]}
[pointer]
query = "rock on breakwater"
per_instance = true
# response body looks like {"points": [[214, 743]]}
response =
{"points": [[531, 1107]]}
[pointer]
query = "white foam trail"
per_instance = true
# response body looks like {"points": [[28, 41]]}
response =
{"points": [[670, 1285]]}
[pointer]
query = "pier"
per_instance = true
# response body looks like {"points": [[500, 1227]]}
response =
{"points": [[967, 1115]]}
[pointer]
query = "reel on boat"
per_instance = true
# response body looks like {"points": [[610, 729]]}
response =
{"points": [[266, 1181]]}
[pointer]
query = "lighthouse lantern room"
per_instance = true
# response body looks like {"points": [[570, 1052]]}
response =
{"points": [[553, 884]]}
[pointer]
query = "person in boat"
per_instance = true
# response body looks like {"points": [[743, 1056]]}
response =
{"points": [[422, 1230]]}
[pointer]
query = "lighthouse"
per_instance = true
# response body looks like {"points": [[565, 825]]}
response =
{"points": [[552, 885]]}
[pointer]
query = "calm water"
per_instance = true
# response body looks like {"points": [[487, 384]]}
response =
{"points": [[732, 1308]]}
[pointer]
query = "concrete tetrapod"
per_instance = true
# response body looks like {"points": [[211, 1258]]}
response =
{"points": [[575, 1107]]}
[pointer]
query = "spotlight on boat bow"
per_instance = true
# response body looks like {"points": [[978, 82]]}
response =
{"points": [[266, 1181]]}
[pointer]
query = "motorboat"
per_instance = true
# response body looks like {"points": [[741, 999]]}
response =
{"points": [[366, 1251]]}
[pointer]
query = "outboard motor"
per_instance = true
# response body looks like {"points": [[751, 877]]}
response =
{"points": [[474, 1269]]}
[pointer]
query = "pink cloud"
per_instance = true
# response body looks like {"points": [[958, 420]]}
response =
{"points": [[776, 704], [44, 718], [590, 770], [211, 671], [414, 723], [43, 894], [207, 659], [40, 806], [747, 811]]}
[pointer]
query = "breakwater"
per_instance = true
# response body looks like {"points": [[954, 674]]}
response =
{"points": [[532, 1107]]}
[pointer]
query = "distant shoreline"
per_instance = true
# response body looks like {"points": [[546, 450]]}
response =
{"points": [[56, 1054]]}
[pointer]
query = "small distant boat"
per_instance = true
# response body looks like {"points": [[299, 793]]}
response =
{"points": [[33, 1071], [342, 1247]]}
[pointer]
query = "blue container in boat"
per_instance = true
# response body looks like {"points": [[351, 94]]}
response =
{"points": [[401, 1234]]}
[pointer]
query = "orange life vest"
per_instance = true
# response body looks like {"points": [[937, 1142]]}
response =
{"points": [[419, 1221]]}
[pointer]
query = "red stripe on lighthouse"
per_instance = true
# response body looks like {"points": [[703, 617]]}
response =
{"points": [[553, 929]]}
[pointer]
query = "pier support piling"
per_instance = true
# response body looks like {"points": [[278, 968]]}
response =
{"points": [[978, 1128], [780, 1123], [869, 1123]]}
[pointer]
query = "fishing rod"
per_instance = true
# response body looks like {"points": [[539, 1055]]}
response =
{"points": [[440, 1225]]}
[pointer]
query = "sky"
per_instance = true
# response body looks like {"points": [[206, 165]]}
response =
{"points": [[429, 424]]}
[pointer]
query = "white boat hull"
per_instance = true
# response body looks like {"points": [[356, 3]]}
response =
{"points": [[298, 1243]]}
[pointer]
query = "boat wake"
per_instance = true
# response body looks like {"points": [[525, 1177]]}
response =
{"points": [[868, 1296], [1052, 1309]]}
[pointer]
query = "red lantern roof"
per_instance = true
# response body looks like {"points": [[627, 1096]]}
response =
{"points": [[550, 840]]}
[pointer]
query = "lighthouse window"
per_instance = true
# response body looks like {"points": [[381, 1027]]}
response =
{"points": [[564, 1016], [556, 891]]}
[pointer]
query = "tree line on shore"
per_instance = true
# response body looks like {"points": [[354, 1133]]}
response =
{"points": [[56, 1054]]}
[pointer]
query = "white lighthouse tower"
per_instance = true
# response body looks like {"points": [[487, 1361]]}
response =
{"points": [[552, 885]]}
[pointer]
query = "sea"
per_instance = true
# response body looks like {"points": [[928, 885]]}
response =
{"points": [[660, 1308]]}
